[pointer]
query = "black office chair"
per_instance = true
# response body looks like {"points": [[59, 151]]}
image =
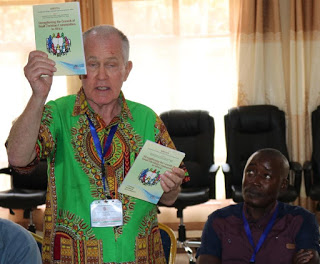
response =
{"points": [[27, 191], [192, 132], [312, 168], [248, 129]]}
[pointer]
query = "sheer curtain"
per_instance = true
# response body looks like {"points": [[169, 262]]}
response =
{"points": [[277, 52]]}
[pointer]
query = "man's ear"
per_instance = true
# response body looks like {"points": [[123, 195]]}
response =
{"points": [[128, 69], [284, 183]]}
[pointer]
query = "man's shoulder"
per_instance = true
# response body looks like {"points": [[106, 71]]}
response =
{"points": [[17, 245], [13, 230], [61, 101], [63, 104], [140, 111], [135, 106], [295, 210], [230, 210]]}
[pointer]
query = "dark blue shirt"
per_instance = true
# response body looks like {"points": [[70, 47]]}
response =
{"points": [[224, 235]]}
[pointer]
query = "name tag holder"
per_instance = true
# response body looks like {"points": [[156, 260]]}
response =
{"points": [[106, 213]]}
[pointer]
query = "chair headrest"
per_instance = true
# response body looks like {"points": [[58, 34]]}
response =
{"points": [[186, 122], [253, 118]]}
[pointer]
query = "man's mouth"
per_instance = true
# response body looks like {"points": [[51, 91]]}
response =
{"points": [[253, 192], [103, 88]]}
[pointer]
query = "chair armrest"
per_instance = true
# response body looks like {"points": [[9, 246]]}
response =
{"points": [[295, 166], [214, 168], [6, 171], [212, 179], [307, 173], [226, 169], [297, 169]]}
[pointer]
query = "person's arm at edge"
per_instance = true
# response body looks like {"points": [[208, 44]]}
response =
{"points": [[309, 256], [29, 253], [307, 240], [24, 132]]}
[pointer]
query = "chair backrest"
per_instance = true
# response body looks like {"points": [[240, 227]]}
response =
{"points": [[193, 133], [248, 129], [315, 120], [169, 243], [37, 179]]}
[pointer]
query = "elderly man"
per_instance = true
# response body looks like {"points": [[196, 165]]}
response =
{"points": [[90, 141], [261, 230]]}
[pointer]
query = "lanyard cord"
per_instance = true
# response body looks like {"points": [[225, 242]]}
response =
{"points": [[263, 236], [99, 149]]}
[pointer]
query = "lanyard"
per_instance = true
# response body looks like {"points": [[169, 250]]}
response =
{"points": [[99, 149], [263, 236]]}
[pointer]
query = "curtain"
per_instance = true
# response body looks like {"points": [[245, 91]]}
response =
{"points": [[276, 46], [93, 12]]}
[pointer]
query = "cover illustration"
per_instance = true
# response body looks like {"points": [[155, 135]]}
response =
{"points": [[143, 178]]}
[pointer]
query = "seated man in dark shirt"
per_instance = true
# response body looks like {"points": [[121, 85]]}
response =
{"points": [[261, 230]]}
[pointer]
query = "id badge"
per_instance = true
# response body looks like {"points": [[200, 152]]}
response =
{"points": [[106, 213]]}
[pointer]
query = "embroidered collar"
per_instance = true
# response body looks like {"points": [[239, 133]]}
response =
{"points": [[81, 106]]}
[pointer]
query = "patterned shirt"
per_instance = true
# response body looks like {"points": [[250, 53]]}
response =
{"points": [[75, 182], [224, 235]]}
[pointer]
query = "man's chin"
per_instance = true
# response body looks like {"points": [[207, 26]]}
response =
{"points": [[253, 195], [255, 201]]}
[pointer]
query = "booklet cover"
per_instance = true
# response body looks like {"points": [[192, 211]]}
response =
{"points": [[143, 178], [58, 32]]}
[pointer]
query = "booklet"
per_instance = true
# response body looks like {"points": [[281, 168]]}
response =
{"points": [[58, 32], [143, 179]]}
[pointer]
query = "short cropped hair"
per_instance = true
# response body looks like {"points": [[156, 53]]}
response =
{"points": [[276, 154], [108, 30]]}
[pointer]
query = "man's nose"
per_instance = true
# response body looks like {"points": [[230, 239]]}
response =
{"points": [[102, 73], [256, 179]]}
